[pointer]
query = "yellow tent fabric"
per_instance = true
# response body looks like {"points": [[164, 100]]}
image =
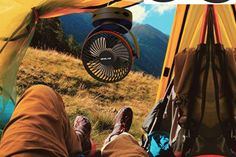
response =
{"points": [[186, 34], [18, 23]]}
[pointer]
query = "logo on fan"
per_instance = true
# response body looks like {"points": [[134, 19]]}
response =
{"points": [[105, 59]]}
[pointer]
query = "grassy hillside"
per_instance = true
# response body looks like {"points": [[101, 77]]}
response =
{"points": [[84, 95]]}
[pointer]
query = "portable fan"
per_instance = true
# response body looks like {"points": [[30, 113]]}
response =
{"points": [[107, 54]]}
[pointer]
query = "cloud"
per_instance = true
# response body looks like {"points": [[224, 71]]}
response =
{"points": [[161, 8], [139, 13]]}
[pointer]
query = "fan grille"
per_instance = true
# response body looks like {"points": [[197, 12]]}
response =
{"points": [[107, 56]]}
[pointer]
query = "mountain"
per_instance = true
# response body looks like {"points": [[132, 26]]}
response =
{"points": [[152, 42], [78, 25]]}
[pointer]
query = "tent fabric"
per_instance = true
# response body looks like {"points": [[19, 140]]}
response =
{"points": [[186, 34], [18, 23]]}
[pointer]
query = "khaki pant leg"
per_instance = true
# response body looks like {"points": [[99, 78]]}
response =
{"points": [[124, 145], [39, 125]]}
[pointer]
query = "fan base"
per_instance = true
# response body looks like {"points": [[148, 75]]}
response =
{"points": [[112, 15]]}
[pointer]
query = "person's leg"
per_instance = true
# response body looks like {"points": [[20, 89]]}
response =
{"points": [[120, 142], [123, 145], [39, 127]]}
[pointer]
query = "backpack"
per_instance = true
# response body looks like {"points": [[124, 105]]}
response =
{"points": [[205, 87]]}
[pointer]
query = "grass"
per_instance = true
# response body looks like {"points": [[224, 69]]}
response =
{"points": [[85, 96]]}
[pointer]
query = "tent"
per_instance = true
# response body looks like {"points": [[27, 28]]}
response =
{"points": [[186, 34], [19, 19]]}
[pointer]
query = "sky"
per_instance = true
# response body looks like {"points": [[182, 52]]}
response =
{"points": [[160, 16]]}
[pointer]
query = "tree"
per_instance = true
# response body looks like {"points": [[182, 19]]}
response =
{"points": [[49, 34]]}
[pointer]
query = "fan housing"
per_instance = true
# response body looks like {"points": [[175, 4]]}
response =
{"points": [[107, 54]]}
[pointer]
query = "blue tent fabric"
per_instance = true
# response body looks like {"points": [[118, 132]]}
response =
{"points": [[5, 113]]}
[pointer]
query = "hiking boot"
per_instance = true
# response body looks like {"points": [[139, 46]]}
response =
{"points": [[82, 127], [122, 122]]}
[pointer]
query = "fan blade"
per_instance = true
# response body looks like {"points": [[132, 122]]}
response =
{"points": [[112, 40], [101, 71], [97, 46], [119, 47], [93, 50], [121, 51], [94, 66], [110, 71], [87, 57], [103, 44], [97, 70]]}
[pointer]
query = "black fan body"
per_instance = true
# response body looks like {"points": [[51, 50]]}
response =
{"points": [[217, 1], [107, 55], [163, 0]]}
